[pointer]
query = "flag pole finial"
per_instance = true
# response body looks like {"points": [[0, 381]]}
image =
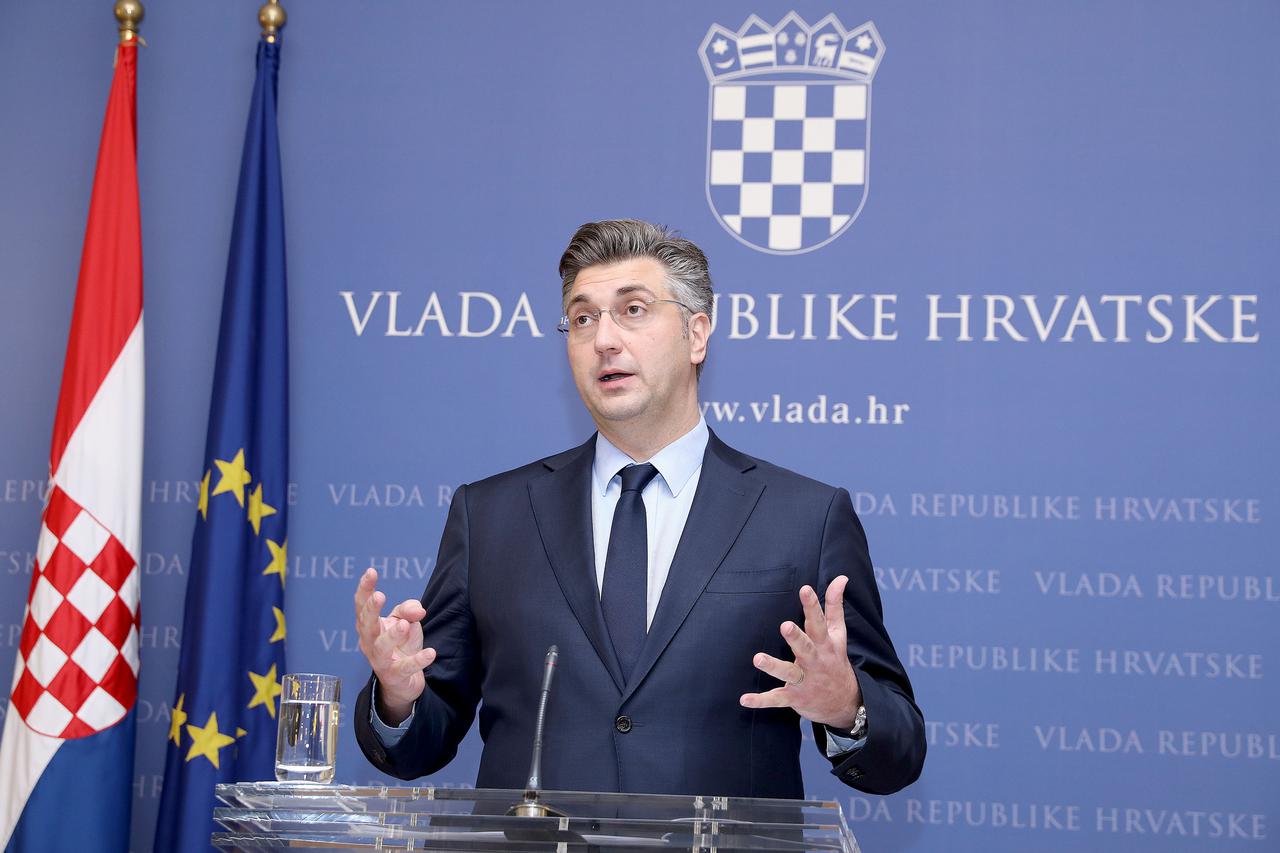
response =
{"points": [[129, 13], [272, 17]]}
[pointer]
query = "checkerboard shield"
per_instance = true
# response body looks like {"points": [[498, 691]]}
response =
{"points": [[787, 160]]}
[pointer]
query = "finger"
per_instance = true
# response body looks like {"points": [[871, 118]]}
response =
{"points": [[801, 645], [368, 583], [368, 619], [815, 624], [397, 636], [371, 615], [775, 698], [405, 667], [411, 664], [383, 664], [783, 670], [397, 629], [410, 610], [835, 608], [411, 638]]}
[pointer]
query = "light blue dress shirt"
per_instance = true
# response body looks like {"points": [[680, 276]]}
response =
{"points": [[667, 500]]}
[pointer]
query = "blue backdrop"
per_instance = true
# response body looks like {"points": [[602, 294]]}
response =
{"points": [[1057, 285]]}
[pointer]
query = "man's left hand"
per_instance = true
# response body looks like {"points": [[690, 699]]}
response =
{"points": [[820, 684]]}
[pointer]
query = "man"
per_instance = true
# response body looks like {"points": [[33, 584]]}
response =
{"points": [[677, 576]]}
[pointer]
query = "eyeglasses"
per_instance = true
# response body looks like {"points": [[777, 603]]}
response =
{"points": [[630, 314]]}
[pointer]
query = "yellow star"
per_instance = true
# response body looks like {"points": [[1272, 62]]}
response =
{"points": [[203, 506], [279, 632], [177, 719], [240, 733], [266, 689], [279, 559], [208, 740], [232, 476], [258, 508]]}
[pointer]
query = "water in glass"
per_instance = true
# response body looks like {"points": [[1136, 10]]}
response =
{"points": [[307, 737]]}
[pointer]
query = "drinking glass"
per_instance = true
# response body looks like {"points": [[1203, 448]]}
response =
{"points": [[307, 738]]}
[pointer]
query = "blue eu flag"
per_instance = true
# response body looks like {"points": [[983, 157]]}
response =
{"points": [[224, 713]]}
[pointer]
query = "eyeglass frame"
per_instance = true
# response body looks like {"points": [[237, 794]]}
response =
{"points": [[564, 328]]}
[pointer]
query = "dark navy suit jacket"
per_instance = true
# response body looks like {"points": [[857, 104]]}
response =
{"points": [[516, 573]]}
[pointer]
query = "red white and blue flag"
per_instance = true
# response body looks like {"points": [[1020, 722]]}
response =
{"points": [[66, 754]]}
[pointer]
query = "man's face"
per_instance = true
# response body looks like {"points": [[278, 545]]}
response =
{"points": [[642, 375]]}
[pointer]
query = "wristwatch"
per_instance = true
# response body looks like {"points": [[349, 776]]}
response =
{"points": [[859, 729]]}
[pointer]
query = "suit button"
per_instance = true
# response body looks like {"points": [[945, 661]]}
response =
{"points": [[622, 724]]}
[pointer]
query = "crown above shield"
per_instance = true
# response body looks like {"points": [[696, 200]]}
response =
{"points": [[792, 47]]}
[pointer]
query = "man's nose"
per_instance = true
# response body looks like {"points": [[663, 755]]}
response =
{"points": [[608, 334]]}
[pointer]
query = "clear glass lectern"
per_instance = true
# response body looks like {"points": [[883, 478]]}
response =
{"points": [[302, 816]]}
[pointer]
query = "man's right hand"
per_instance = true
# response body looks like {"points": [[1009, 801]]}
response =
{"points": [[393, 645]]}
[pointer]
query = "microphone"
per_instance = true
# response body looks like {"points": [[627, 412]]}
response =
{"points": [[535, 766], [530, 807]]}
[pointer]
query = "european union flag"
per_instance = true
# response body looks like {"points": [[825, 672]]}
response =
{"points": [[224, 714]]}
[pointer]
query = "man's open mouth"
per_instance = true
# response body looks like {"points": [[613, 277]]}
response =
{"points": [[613, 377]]}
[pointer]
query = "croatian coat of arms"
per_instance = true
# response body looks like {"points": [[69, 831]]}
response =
{"points": [[789, 129]]}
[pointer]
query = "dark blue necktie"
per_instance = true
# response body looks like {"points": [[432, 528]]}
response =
{"points": [[626, 569]]}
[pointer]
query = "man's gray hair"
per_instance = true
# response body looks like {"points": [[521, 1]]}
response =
{"points": [[614, 240]]}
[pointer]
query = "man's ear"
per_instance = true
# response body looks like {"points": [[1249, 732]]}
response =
{"points": [[699, 334]]}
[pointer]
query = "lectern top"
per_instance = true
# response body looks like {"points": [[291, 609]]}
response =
{"points": [[268, 815]]}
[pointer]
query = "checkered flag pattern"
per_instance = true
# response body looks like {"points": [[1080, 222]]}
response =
{"points": [[788, 162], [77, 670]]}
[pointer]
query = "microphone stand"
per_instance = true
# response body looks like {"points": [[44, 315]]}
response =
{"points": [[530, 806]]}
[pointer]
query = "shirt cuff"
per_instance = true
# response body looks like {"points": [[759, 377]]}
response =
{"points": [[391, 735], [836, 744]]}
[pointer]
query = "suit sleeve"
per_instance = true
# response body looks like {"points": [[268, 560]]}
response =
{"points": [[893, 754], [443, 713]]}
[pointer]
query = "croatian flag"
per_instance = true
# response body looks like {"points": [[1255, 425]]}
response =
{"points": [[66, 755]]}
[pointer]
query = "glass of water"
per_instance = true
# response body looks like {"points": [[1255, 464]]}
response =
{"points": [[307, 739]]}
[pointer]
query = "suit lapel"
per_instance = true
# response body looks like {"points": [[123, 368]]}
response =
{"points": [[722, 505], [562, 510]]}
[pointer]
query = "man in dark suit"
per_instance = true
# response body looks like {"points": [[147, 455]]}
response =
{"points": [[678, 577]]}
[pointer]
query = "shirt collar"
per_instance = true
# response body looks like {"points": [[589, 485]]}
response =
{"points": [[676, 462]]}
